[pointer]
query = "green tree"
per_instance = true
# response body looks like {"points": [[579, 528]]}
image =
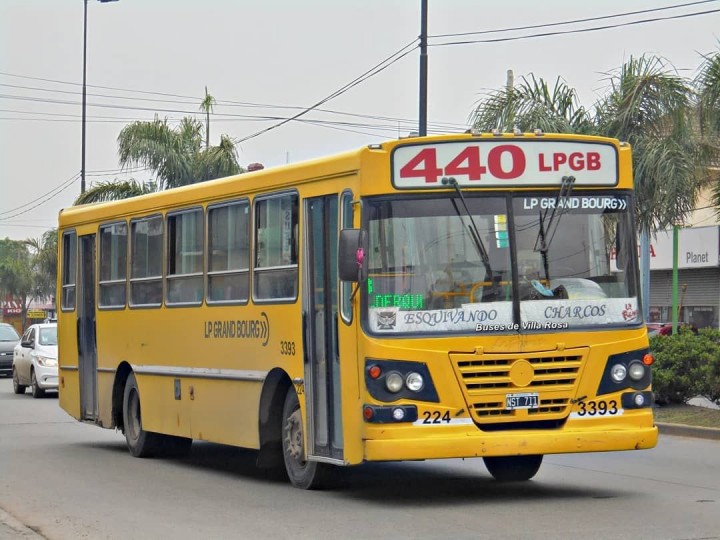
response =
{"points": [[16, 277], [44, 263]]}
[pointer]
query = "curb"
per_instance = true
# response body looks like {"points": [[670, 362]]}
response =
{"points": [[12, 529], [684, 430]]}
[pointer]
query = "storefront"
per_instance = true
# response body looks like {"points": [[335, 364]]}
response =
{"points": [[698, 276]]}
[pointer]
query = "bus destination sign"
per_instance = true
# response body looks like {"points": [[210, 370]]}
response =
{"points": [[504, 163]]}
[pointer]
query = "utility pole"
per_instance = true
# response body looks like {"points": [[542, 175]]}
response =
{"points": [[422, 129]]}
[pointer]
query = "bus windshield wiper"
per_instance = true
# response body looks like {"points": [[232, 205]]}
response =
{"points": [[474, 231], [547, 232]]}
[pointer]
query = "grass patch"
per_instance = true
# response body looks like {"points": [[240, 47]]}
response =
{"points": [[687, 414]]}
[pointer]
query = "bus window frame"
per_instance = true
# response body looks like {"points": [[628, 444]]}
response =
{"points": [[257, 269], [64, 271], [245, 201], [168, 278], [132, 280], [101, 282]]}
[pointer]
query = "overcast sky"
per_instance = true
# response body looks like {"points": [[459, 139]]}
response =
{"points": [[159, 55]]}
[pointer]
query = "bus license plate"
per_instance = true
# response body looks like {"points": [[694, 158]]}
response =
{"points": [[528, 400]]}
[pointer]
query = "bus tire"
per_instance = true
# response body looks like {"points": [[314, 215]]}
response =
{"points": [[513, 468], [302, 474], [140, 443]]}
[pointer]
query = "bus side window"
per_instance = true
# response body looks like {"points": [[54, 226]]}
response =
{"points": [[276, 226]]}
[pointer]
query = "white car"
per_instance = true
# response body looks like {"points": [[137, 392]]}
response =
{"points": [[35, 361]]}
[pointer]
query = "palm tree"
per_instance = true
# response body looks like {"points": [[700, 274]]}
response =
{"points": [[530, 105], [707, 86], [207, 105], [646, 105], [115, 190], [650, 106], [176, 156]]}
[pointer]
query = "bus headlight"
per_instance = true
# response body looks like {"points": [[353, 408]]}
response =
{"points": [[636, 371], [618, 373], [414, 381], [626, 370], [394, 382]]}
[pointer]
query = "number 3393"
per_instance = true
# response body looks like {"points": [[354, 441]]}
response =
{"points": [[601, 408]]}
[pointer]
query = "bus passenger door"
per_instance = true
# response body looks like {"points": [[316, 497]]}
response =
{"points": [[86, 342], [320, 315]]}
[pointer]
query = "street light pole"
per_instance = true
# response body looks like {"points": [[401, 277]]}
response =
{"points": [[422, 128], [84, 97], [84, 93]]}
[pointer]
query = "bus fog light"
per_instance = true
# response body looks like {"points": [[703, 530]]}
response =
{"points": [[398, 414], [636, 371], [618, 373], [394, 382], [639, 400], [414, 381]]}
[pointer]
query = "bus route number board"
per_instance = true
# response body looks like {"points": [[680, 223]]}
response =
{"points": [[526, 400], [504, 163]]}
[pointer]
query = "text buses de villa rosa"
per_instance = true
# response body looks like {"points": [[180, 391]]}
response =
{"points": [[437, 297]]}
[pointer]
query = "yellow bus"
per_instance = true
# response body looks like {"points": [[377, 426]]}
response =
{"points": [[465, 295]]}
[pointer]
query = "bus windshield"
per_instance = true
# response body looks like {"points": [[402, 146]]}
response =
{"points": [[530, 262]]}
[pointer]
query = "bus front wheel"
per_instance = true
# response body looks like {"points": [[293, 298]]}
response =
{"points": [[302, 473], [141, 443], [513, 468]]}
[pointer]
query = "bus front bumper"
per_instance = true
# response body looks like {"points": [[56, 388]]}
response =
{"points": [[508, 443]]}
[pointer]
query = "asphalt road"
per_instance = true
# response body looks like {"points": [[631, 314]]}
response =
{"points": [[60, 479]]}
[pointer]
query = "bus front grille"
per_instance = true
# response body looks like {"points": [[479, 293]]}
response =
{"points": [[487, 379]]}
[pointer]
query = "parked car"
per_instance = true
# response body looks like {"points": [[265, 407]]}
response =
{"points": [[8, 339], [35, 361], [655, 327]]}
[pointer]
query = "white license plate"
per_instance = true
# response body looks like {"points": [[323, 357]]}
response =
{"points": [[527, 400]]}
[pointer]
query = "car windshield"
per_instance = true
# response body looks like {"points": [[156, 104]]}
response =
{"points": [[48, 335], [8, 333], [435, 266]]}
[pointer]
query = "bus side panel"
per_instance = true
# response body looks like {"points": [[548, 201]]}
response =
{"points": [[228, 411]]}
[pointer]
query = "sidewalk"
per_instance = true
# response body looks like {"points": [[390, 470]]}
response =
{"points": [[692, 431], [12, 529]]}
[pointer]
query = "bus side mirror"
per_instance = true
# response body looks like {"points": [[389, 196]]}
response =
{"points": [[352, 249]]}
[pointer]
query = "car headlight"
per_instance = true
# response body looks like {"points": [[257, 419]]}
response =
{"points": [[46, 361]]}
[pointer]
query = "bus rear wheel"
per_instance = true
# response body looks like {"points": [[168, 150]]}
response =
{"points": [[513, 468], [303, 474], [141, 443]]}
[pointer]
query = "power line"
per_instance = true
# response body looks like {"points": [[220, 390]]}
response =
{"points": [[576, 31], [49, 195], [370, 73], [574, 21]]}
